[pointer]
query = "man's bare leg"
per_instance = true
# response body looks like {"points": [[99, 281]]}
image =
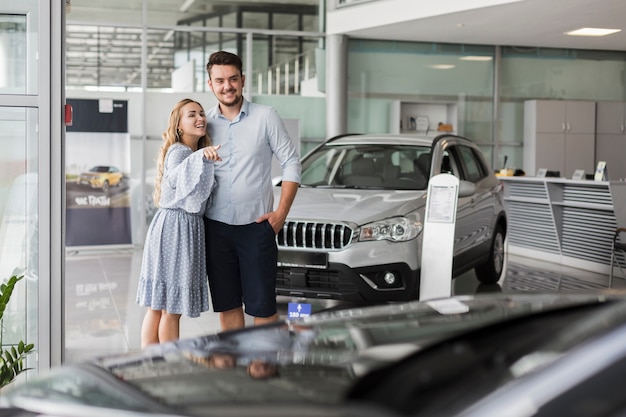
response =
{"points": [[232, 319], [264, 320]]}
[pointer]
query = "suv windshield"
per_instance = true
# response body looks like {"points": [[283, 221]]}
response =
{"points": [[376, 166]]}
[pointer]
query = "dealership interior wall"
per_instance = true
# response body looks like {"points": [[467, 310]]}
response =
{"points": [[385, 83]]}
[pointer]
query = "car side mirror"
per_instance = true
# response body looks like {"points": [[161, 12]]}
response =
{"points": [[466, 188]]}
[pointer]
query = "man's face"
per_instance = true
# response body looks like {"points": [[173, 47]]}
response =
{"points": [[227, 83]]}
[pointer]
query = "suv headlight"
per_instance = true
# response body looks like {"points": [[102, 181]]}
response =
{"points": [[396, 229]]}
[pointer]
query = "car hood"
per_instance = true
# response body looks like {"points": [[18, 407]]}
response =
{"points": [[319, 358], [358, 206]]}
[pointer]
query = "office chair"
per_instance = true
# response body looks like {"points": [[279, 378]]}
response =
{"points": [[618, 246]]}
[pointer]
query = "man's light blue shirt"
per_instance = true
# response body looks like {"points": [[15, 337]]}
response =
{"points": [[244, 184]]}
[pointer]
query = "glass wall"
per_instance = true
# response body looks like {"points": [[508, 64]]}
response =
{"points": [[28, 201], [391, 84], [553, 74], [13, 54], [19, 226], [19, 235], [388, 79], [169, 62], [280, 64], [108, 57]]}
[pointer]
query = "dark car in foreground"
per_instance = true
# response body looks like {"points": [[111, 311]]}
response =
{"points": [[521, 355], [354, 231]]}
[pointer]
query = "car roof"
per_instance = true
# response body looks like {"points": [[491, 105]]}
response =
{"points": [[409, 139], [395, 139]]}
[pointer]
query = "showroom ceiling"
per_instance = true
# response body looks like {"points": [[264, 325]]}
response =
{"points": [[538, 23]]}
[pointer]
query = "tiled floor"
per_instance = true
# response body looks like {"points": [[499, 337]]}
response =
{"points": [[102, 317]]}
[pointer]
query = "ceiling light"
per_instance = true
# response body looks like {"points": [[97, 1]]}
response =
{"points": [[592, 32], [186, 5], [476, 58], [442, 66], [168, 35]]}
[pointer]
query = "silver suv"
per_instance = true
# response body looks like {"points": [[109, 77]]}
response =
{"points": [[354, 230]]}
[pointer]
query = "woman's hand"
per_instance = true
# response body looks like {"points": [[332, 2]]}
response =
{"points": [[210, 153]]}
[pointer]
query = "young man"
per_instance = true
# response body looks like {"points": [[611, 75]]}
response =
{"points": [[241, 223]]}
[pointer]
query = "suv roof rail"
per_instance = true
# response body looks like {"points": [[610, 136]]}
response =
{"points": [[330, 140], [343, 135]]}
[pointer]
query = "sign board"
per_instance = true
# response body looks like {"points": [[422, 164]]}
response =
{"points": [[438, 237], [579, 174], [298, 310], [601, 172], [97, 167]]}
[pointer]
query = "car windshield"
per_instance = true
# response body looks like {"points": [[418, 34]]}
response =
{"points": [[377, 166], [99, 169]]}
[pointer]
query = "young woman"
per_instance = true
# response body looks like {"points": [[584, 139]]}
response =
{"points": [[173, 271]]}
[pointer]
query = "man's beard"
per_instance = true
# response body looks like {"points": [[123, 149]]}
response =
{"points": [[233, 103]]}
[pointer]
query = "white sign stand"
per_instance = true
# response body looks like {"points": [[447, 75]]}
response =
{"points": [[602, 173], [438, 239]]}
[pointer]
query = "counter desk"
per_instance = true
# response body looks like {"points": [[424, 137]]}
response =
{"points": [[564, 221]]}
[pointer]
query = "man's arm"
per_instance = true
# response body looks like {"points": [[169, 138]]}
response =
{"points": [[277, 218]]}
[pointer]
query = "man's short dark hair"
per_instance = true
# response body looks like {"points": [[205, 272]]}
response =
{"points": [[224, 58]]}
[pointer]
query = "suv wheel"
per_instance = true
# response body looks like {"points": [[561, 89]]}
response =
{"points": [[490, 271]]}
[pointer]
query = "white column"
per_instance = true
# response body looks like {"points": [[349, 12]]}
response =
{"points": [[336, 84]]}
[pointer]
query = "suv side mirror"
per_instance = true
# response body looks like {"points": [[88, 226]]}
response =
{"points": [[466, 188]]}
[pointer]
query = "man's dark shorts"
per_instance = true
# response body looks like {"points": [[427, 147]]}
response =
{"points": [[242, 267]]}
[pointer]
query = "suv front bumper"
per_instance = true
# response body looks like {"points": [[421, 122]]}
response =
{"points": [[341, 282]]}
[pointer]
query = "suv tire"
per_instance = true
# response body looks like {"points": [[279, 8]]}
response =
{"points": [[491, 271]]}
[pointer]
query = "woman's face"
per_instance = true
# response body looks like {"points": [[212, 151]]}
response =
{"points": [[192, 122]]}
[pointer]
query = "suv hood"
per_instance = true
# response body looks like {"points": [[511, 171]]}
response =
{"points": [[358, 206]]}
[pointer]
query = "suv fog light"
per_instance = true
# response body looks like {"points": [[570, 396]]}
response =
{"points": [[384, 280], [389, 278]]}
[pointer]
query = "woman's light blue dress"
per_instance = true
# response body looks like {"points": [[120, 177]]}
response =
{"points": [[173, 270]]}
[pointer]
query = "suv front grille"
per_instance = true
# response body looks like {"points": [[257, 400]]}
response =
{"points": [[314, 280], [295, 234]]}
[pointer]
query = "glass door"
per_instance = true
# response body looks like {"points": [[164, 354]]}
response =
{"points": [[30, 222]]}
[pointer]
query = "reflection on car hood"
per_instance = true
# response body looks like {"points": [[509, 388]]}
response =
{"points": [[316, 359], [358, 206]]}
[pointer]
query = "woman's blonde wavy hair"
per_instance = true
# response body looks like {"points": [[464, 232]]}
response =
{"points": [[170, 137]]}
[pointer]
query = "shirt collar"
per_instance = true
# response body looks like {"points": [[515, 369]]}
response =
{"points": [[245, 106]]}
